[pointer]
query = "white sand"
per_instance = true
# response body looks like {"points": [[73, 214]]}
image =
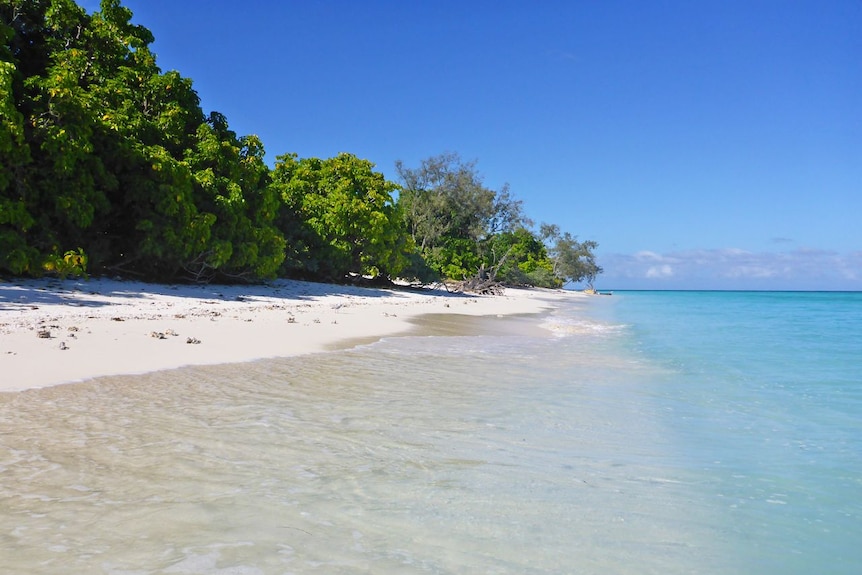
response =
{"points": [[92, 328]]}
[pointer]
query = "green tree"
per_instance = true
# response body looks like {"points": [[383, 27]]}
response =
{"points": [[15, 219], [339, 217], [232, 183], [451, 214], [521, 258], [147, 120], [81, 86], [103, 151], [574, 261], [52, 184]]}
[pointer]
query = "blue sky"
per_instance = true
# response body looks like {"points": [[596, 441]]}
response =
{"points": [[703, 144]]}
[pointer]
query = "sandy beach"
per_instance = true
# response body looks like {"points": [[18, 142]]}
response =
{"points": [[54, 332]]}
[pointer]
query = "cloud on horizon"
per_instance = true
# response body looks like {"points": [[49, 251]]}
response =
{"points": [[731, 268]]}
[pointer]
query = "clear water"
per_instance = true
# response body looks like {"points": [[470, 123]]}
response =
{"points": [[764, 398], [662, 432]]}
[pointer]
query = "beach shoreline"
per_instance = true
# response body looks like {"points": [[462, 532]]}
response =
{"points": [[55, 332]]}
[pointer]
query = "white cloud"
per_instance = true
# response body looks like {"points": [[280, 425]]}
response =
{"points": [[734, 268], [647, 255], [751, 271], [851, 266], [662, 271], [733, 253]]}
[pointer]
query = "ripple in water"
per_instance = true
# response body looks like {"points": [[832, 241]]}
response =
{"points": [[476, 453]]}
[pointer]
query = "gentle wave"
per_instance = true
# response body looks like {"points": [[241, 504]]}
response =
{"points": [[562, 327], [649, 437]]}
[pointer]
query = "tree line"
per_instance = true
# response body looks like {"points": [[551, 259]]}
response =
{"points": [[110, 165]]}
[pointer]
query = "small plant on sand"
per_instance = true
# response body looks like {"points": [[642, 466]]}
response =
{"points": [[71, 263]]}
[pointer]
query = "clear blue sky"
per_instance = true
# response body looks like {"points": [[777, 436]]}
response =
{"points": [[702, 143]]}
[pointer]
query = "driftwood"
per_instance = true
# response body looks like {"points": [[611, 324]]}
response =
{"points": [[478, 285], [485, 281]]}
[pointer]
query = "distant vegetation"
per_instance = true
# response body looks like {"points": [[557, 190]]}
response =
{"points": [[109, 165]]}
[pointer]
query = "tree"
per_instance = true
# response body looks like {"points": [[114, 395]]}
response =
{"points": [[109, 163], [231, 182], [78, 85], [574, 261], [15, 218], [450, 213], [339, 217], [52, 185], [526, 259], [103, 151], [146, 122]]}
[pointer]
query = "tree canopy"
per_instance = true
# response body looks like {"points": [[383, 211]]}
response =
{"points": [[451, 215], [109, 165], [573, 261], [340, 216]]}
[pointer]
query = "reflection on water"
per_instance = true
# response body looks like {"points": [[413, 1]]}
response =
{"points": [[466, 454]]}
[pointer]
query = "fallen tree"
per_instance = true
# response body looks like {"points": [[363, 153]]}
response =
{"points": [[484, 282]]}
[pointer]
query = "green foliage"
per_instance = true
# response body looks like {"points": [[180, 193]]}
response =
{"points": [[449, 213], [162, 229], [339, 217], [71, 263], [58, 178], [109, 164], [417, 269], [454, 258], [12, 147], [15, 219], [445, 196], [461, 229], [543, 277], [102, 150], [521, 259], [16, 255], [232, 183], [574, 261]]}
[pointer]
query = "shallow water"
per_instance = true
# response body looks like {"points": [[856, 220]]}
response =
{"points": [[765, 398], [600, 447]]}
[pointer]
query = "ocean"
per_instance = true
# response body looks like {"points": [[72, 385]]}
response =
{"points": [[647, 432]]}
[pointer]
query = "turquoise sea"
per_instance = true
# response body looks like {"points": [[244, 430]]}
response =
{"points": [[648, 432]]}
